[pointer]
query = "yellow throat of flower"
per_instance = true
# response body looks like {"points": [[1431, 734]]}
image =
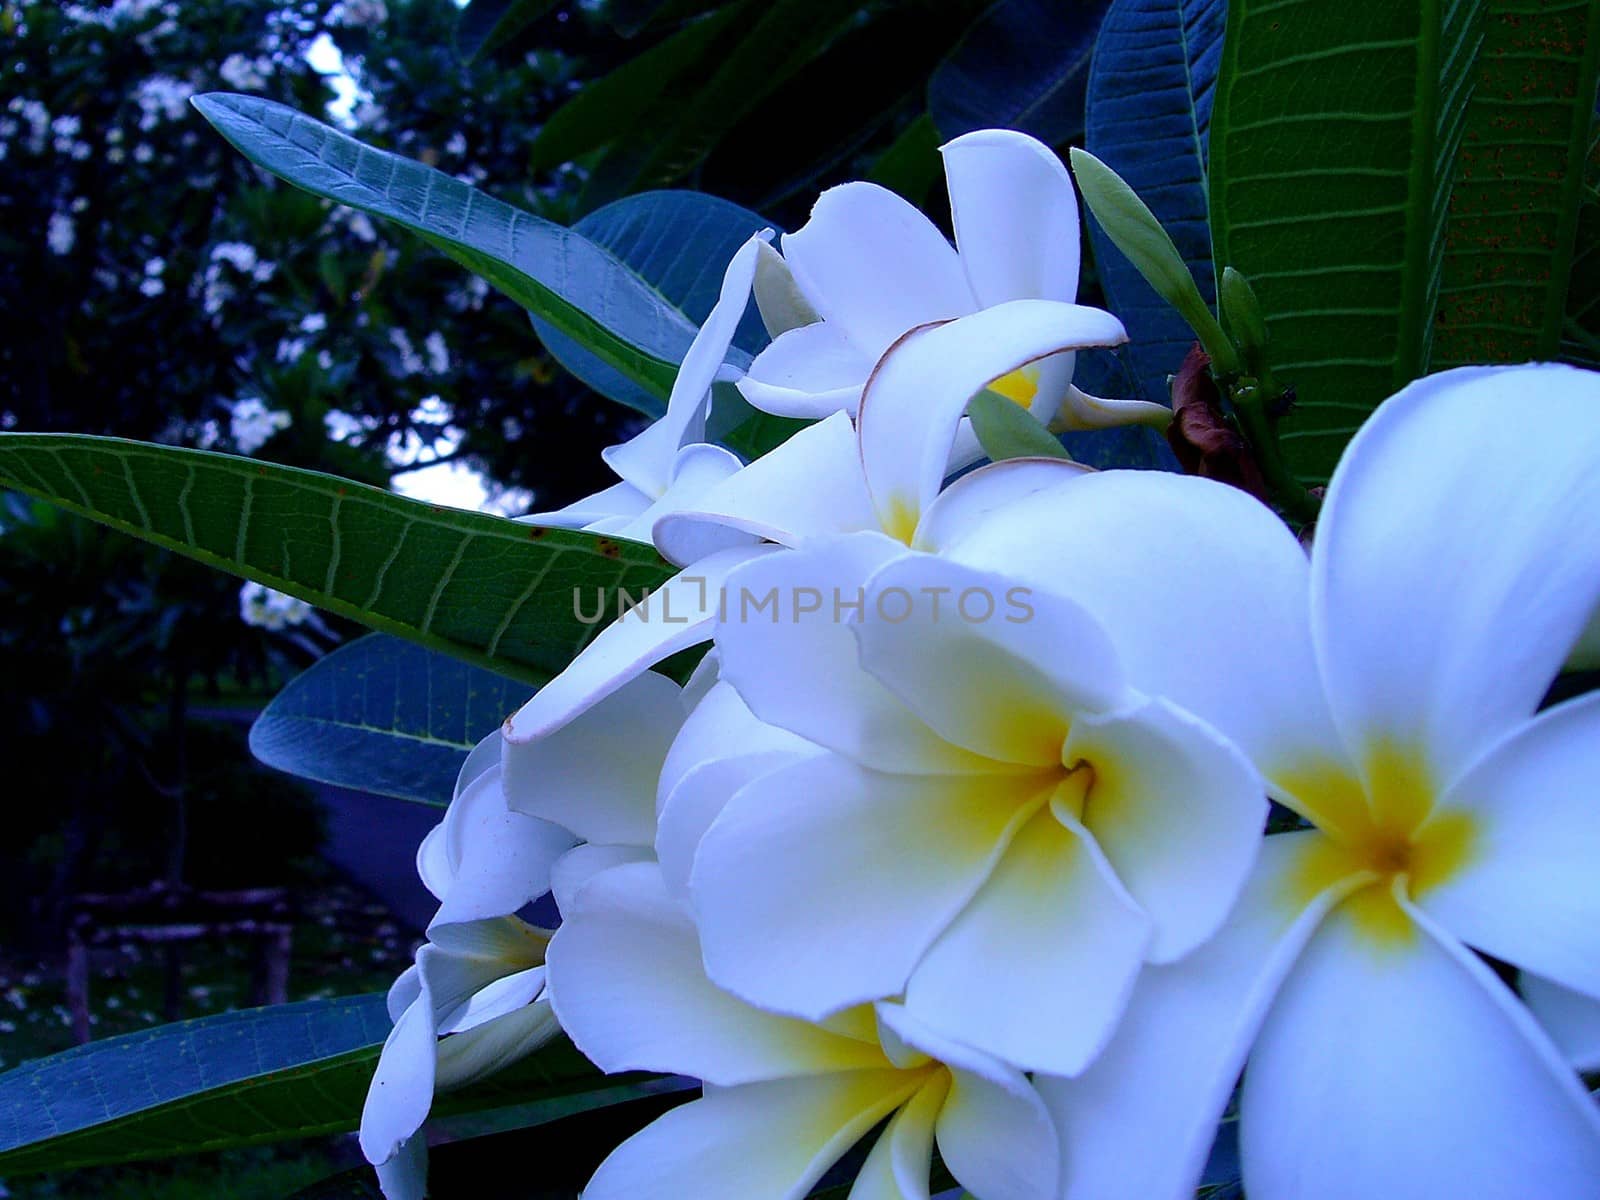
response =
{"points": [[1379, 831], [1019, 387]]}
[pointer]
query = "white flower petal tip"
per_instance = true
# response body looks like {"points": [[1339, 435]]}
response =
{"points": [[405, 1176], [1080, 411], [1015, 214], [673, 618]]}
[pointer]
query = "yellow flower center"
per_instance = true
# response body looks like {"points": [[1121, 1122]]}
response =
{"points": [[1019, 387], [1384, 832]]}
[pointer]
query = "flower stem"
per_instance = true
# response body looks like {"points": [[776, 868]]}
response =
{"points": [[1255, 400]]}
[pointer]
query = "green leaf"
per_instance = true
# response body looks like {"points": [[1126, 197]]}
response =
{"points": [[599, 112], [229, 1080], [1581, 329], [554, 273], [479, 588], [911, 165], [1333, 140], [783, 35], [679, 244], [487, 25], [1006, 430], [1148, 119], [247, 1078], [631, 17], [1022, 65], [1513, 222], [385, 716]]}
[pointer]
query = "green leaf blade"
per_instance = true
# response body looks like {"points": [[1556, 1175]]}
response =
{"points": [[229, 1080], [1514, 211], [554, 273], [479, 588], [384, 716], [1332, 137]]}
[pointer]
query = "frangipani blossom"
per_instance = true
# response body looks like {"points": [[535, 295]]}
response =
{"points": [[871, 267], [669, 461], [597, 777], [831, 479], [1388, 690], [999, 829], [784, 1099], [478, 982]]}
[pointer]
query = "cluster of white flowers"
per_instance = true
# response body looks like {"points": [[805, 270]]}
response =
{"points": [[358, 13], [34, 115], [118, 12], [161, 98], [245, 74], [958, 828], [61, 233], [215, 286], [267, 608], [252, 423], [152, 283]]}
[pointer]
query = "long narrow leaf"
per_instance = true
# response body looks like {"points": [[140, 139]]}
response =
{"points": [[1509, 240], [556, 274], [1149, 117], [247, 1078], [479, 588], [1333, 142]]}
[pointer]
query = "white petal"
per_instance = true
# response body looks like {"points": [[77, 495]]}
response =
{"points": [[454, 973], [810, 372], [647, 460], [920, 389], [1571, 1018], [621, 503], [465, 1058], [994, 1132], [1178, 812], [1016, 217], [898, 1166], [402, 1085], [820, 885], [403, 992], [872, 264], [1079, 411], [1051, 921], [434, 867], [976, 494], [1529, 890], [809, 487], [721, 726], [505, 995], [697, 800], [405, 1176], [1137, 1125], [997, 669], [673, 618], [1447, 585], [502, 858], [787, 647], [597, 775], [1406, 1069], [628, 984], [575, 868], [761, 1141], [698, 468], [482, 757], [1202, 589]]}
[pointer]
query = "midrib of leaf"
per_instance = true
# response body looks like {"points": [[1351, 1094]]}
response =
{"points": [[1349, 288], [367, 179]]}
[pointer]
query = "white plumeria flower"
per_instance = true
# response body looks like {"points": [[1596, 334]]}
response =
{"points": [[598, 777], [868, 267], [784, 1099], [478, 982], [669, 461], [885, 473], [998, 817], [1388, 691], [1571, 1018]]}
